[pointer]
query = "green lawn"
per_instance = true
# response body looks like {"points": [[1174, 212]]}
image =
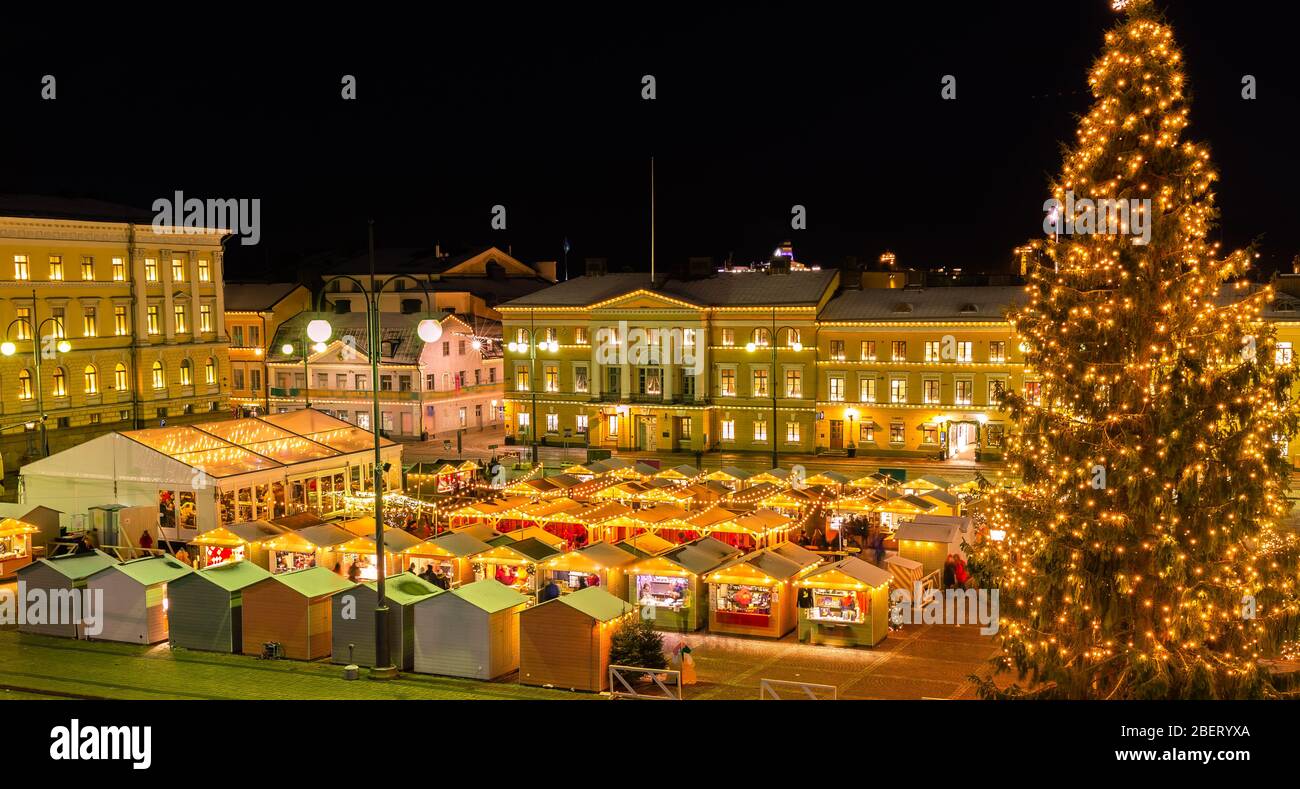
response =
{"points": [[41, 666]]}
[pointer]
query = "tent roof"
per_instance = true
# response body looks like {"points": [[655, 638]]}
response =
{"points": [[798, 554], [459, 543], [78, 565], [254, 531], [406, 588], [490, 595], [399, 540], [314, 581], [152, 570], [607, 555], [928, 532], [533, 548], [647, 544], [595, 602], [233, 576], [766, 561], [325, 535], [853, 568]]}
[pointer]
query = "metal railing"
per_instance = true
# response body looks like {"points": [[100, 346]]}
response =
{"points": [[770, 690], [626, 682]]}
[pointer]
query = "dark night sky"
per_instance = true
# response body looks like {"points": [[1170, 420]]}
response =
{"points": [[756, 111]]}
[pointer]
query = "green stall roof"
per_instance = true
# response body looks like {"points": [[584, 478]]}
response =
{"points": [[595, 603], [490, 595], [233, 576], [314, 582], [153, 570]]}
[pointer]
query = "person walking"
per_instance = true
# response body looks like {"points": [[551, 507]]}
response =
{"points": [[949, 573]]}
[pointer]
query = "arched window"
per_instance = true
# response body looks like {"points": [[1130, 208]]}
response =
{"points": [[187, 377], [60, 383], [24, 385], [762, 337], [119, 378], [92, 380], [159, 378], [210, 371]]}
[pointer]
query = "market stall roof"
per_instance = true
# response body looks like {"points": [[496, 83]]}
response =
{"points": [[594, 514], [728, 474], [546, 510], [758, 523], [586, 491], [536, 533], [645, 545], [706, 520], [313, 581], [828, 478], [595, 602], [584, 469], [701, 556], [669, 491], [490, 595], [660, 516], [77, 566], [233, 576], [248, 532], [905, 505], [928, 532], [764, 566], [755, 493], [490, 508], [679, 472], [531, 487], [435, 468], [459, 544], [151, 570], [850, 573], [928, 482], [400, 540], [534, 549], [797, 554], [594, 558], [941, 496], [406, 588], [10, 527], [479, 531], [609, 464], [299, 520], [324, 535], [906, 572], [779, 476]]}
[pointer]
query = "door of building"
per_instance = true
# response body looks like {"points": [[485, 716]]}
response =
{"points": [[646, 433], [837, 434]]}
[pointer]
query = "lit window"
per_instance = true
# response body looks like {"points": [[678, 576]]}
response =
{"points": [[24, 385], [837, 350], [895, 432], [88, 269], [150, 270], [898, 350], [964, 351], [793, 383], [552, 378], [898, 390], [56, 317], [1283, 355], [119, 377], [762, 337], [205, 317], [159, 378], [205, 270], [119, 270], [931, 351], [792, 432], [728, 430], [24, 320], [182, 325], [727, 383], [178, 270], [836, 388], [728, 337], [964, 391], [552, 423], [56, 267], [89, 326], [997, 352], [521, 379], [119, 321], [210, 371], [760, 431], [868, 350], [930, 393], [580, 422], [760, 383], [153, 319], [92, 379], [580, 335], [20, 267], [867, 390], [60, 383]]}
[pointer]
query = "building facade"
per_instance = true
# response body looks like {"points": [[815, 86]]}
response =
{"points": [[143, 317], [453, 383], [254, 313]]}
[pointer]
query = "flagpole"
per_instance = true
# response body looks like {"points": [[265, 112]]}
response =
{"points": [[652, 220]]}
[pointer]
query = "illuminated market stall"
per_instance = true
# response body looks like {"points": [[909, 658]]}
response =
{"points": [[353, 626], [134, 608], [754, 594], [237, 541], [599, 564], [470, 632], [670, 586], [205, 608], [15, 545], [730, 476], [929, 543], [452, 556], [57, 578], [564, 642], [314, 546], [292, 609], [514, 564], [208, 474], [844, 604], [683, 475]]}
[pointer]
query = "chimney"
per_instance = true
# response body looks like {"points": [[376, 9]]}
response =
{"points": [[597, 267], [545, 269]]}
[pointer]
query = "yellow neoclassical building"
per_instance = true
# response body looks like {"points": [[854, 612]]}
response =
{"points": [[128, 324]]}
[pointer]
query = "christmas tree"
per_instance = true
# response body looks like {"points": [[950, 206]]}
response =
{"points": [[1142, 556]]}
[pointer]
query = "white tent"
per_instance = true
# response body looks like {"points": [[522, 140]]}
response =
{"points": [[205, 474]]}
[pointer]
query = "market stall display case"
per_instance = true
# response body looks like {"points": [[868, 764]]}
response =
{"points": [[472, 631], [844, 604], [60, 575], [205, 608], [135, 598], [292, 609], [235, 542], [599, 564], [670, 586], [565, 642], [754, 594], [353, 613], [15, 545]]}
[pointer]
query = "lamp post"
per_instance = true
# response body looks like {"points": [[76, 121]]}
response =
{"points": [[796, 345], [9, 349], [429, 330], [532, 345]]}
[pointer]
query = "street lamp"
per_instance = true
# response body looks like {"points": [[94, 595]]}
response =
{"points": [[429, 330], [9, 349], [796, 346], [532, 346]]}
